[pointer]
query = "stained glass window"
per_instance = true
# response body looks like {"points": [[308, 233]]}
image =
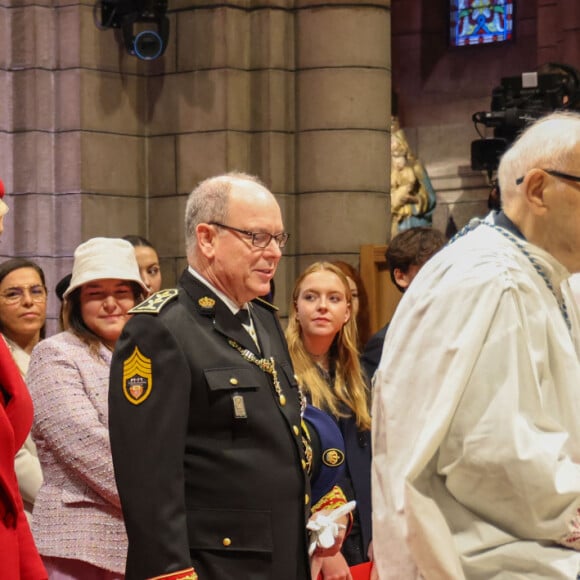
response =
{"points": [[481, 21]]}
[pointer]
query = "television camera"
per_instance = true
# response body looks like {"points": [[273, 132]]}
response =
{"points": [[518, 102]]}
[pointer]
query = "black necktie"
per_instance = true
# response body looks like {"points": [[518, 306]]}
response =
{"points": [[243, 315]]}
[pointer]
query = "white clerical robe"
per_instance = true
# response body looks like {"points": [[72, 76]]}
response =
{"points": [[476, 418]]}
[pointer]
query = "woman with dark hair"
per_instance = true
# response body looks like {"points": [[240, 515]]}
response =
{"points": [[78, 525], [22, 322], [22, 285], [148, 261], [321, 337]]}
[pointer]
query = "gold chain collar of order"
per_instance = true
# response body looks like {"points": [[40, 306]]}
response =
{"points": [[268, 365]]}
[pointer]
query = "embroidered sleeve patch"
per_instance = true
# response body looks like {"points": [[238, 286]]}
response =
{"points": [[137, 377]]}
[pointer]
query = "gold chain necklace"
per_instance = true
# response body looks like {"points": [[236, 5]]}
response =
{"points": [[268, 365]]}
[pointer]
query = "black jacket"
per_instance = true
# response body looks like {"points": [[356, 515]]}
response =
{"points": [[209, 464]]}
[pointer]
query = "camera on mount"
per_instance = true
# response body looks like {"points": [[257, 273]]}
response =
{"points": [[143, 23], [517, 103]]}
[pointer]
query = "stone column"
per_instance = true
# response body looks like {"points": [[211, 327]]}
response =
{"points": [[70, 129], [96, 142], [225, 102], [343, 81]]}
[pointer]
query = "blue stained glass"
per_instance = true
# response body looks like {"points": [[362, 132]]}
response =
{"points": [[481, 21]]}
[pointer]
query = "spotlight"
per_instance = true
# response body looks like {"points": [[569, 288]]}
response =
{"points": [[148, 45], [144, 25]]}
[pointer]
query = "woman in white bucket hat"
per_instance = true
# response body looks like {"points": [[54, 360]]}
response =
{"points": [[78, 525]]}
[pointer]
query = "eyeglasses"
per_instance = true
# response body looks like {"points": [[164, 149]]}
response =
{"points": [[554, 173], [259, 239], [17, 294]]}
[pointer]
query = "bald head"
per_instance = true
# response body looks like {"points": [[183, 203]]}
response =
{"points": [[209, 202], [547, 144], [539, 189]]}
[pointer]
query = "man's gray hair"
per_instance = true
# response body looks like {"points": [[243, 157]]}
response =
{"points": [[208, 202], [547, 144]]}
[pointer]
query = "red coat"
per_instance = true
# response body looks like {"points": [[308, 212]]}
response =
{"points": [[19, 559]]}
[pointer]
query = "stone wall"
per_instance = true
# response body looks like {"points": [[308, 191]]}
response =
{"points": [[342, 133], [96, 142], [439, 88]]}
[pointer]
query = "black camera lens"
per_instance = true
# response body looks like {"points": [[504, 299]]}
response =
{"points": [[148, 45]]}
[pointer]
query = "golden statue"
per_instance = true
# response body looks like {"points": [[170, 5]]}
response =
{"points": [[412, 196]]}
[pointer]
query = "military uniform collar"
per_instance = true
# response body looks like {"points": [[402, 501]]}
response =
{"points": [[227, 301], [211, 303]]}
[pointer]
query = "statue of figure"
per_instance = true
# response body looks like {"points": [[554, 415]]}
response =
{"points": [[412, 196]]}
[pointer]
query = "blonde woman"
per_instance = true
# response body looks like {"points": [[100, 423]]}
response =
{"points": [[322, 338]]}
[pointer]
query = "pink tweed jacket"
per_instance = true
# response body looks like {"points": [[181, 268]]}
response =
{"points": [[77, 513]]}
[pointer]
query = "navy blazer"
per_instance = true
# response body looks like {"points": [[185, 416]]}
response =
{"points": [[358, 460]]}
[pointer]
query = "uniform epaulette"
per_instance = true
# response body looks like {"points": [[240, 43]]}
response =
{"points": [[265, 304], [155, 302]]}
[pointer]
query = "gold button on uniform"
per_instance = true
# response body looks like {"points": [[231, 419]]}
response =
{"points": [[226, 542], [296, 430], [233, 381], [306, 499]]}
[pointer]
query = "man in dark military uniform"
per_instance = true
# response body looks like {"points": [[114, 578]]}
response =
{"points": [[205, 409]]}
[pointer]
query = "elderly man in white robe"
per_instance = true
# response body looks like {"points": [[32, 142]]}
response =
{"points": [[476, 411]]}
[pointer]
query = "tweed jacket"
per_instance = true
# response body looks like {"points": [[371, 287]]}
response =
{"points": [[77, 512], [203, 438]]}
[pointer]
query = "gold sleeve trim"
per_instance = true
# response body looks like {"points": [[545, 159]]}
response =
{"points": [[188, 574], [333, 499]]}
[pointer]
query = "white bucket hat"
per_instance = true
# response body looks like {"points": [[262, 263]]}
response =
{"points": [[101, 258]]}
